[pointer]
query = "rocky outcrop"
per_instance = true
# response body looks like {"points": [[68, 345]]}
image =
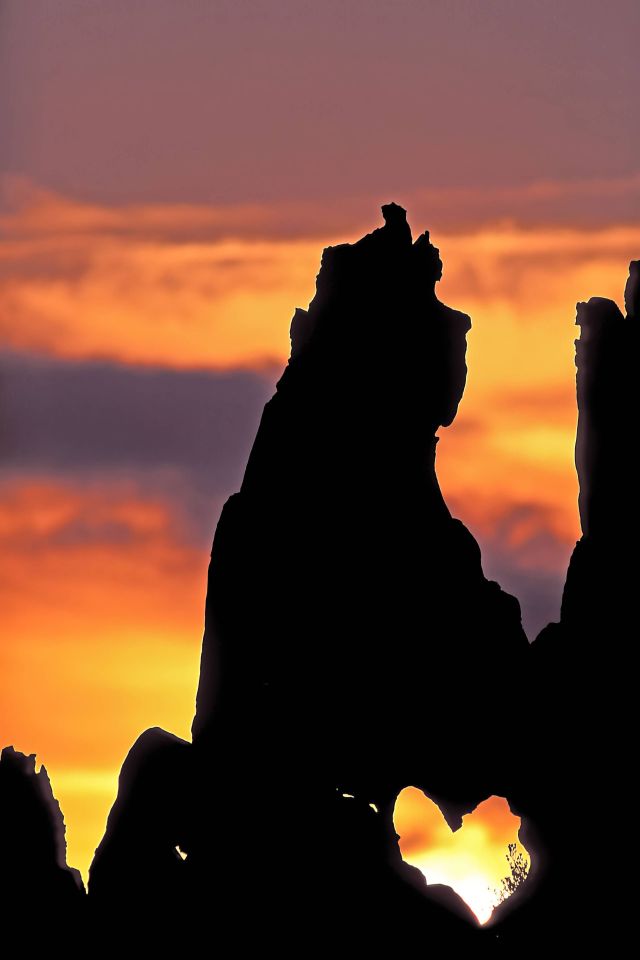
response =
{"points": [[343, 597], [577, 753], [34, 876], [351, 639], [142, 851]]}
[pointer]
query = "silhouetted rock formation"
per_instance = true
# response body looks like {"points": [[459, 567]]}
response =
{"points": [[34, 877], [345, 605], [147, 825], [338, 575], [352, 644], [576, 758]]}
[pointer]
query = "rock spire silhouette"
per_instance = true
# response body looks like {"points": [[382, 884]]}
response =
{"points": [[351, 639], [576, 751]]}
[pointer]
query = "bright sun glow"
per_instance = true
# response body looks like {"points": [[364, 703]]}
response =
{"points": [[472, 860]]}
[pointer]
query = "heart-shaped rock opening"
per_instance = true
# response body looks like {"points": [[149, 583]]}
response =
{"points": [[483, 861]]}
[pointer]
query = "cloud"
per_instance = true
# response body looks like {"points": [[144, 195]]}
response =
{"points": [[526, 548], [29, 210], [183, 436], [188, 286], [514, 485], [529, 559], [577, 203], [58, 414], [556, 403], [100, 639], [196, 305], [47, 514]]}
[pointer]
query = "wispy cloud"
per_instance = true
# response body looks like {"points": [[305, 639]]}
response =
{"points": [[28, 210], [200, 286]]}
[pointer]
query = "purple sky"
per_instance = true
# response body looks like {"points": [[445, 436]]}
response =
{"points": [[230, 101]]}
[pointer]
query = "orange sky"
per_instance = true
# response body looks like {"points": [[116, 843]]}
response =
{"points": [[165, 193], [472, 860]]}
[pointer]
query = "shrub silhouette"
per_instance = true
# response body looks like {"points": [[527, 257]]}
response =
{"points": [[519, 870]]}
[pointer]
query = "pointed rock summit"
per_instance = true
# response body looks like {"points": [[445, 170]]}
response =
{"points": [[344, 602]]}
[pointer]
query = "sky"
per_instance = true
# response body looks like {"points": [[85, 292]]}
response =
{"points": [[170, 171]]}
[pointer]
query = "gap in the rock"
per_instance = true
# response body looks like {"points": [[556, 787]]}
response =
{"points": [[474, 860]]}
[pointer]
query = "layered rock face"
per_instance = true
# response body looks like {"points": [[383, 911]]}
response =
{"points": [[577, 755]]}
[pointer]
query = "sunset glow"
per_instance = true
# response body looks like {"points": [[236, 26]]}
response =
{"points": [[472, 860], [168, 181]]}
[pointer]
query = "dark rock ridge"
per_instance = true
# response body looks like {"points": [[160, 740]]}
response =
{"points": [[33, 864], [578, 752], [351, 640], [146, 825]]}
